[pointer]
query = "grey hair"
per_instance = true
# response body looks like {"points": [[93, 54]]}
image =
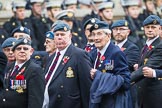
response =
{"points": [[107, 31]]}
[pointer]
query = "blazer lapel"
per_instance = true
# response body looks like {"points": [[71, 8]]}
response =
{"points": [[62, 65]]}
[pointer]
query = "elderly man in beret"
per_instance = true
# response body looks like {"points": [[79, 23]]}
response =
{"points": [[7, 49], [111, 76], [90, 42], [24, 79], [67, 73], [50, 43], [148, 82]]}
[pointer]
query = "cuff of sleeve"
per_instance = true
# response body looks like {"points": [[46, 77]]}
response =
{"points": [[154, 73]]}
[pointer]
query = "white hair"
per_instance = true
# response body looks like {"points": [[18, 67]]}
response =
{"points": [[107, 31]]}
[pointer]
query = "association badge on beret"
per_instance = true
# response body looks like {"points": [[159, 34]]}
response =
{"points": [[92, 20], [154, 22], [96, 26], [65, 28], [126, 23], [22, 28], [25, 41], [48, 35], [13, 43], [70, 14]]}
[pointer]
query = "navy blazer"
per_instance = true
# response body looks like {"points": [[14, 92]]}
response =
{"points": [[71, 90], [149, 88], [32, 95], [132, 54], [108, 84]]}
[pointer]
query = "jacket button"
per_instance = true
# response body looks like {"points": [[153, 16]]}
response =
{"points": [[4, 100], [59, 96], [62, 86], [6, 89]]}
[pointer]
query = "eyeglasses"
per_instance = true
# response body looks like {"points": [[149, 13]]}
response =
{"points": [[20, 48]]}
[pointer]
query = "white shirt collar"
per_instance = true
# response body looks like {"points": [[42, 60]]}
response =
{"points": [[20, 65], [120, 45], [149, 42], [103, 50]]}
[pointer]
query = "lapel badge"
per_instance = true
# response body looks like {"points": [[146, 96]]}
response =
{"points": [[103, 71], [13, 24], [69, 73], [145, 60], [21, 28], [109, 64], [2, 36]]}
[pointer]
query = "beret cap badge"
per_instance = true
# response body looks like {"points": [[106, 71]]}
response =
{"points": [[25, 41], [22, 28], [96, 26], [65, 29], [13, 43], [154, 22], [92, 20], [126, 23]]}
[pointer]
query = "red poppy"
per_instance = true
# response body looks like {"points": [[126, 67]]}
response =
{"points": [[65, 59], [151, 47], [122, 48], [20, 77], [102, 58]]}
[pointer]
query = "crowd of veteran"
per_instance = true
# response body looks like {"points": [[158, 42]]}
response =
{"points": [[52, 59]]}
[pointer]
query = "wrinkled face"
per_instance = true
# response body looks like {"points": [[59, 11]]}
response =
{"points": [[107, 14], [23, 53], [151, 31], [100, 38], [150, 5], [62, 39], [9, 53], [37, 8], [134, 11], [50, 45], [88, 34], [20, 13], [120, 33]]}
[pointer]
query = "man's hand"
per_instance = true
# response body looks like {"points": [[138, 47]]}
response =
{"points": [[135, 67], [92, 72], [148, 72]]}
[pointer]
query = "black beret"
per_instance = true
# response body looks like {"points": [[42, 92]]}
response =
{"points": [[90, 21], [21, 29], [99, 25], [21, 41]]}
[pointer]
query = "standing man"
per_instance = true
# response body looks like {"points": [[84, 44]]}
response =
{"points": [[18, 19], [7, 49], [50, 43], [90, 41], [111, 76], [121, 31], [149, 88], [67, 73], [24, 79], [39, 23]]}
